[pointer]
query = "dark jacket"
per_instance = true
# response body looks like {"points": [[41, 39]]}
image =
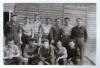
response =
{"points": [[79, 33]]}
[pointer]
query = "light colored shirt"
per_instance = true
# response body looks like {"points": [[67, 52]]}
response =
{"points": [[46, 29], [36, 26], [61, 53], [27, 29], [11, 51], [67, 30]]}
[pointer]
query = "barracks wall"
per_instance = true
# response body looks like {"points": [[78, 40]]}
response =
{"points": [[52, 10]]}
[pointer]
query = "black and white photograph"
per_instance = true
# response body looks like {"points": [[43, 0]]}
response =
{"points": [[49, 33]]}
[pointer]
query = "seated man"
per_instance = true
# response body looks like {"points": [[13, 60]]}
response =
{"points": [[11, 53], [73, 53], [60, 53], [46, 53], [31, 52]]}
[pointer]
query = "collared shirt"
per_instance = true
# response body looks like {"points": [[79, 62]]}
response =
{"points": [[56, 33], [11, 51], [79, 32]]}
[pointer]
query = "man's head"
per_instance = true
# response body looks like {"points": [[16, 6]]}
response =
{"points": [[72, 44], [26, 19], [58, 21], [14, 17], [46, 44], [59, 45], [67, 20], [31, 41], [79, 21], [10, 42], [36, 17], [48, 20]]}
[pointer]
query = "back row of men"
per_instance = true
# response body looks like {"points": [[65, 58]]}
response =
{"points": [[45, 43]]}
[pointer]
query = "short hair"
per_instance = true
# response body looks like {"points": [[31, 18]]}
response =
{"points": [[66, 18], [9, 39], [48, 18], [36, 14], [32, 39], [79, 19], [13, 15], [57, 19], [25, 17]]}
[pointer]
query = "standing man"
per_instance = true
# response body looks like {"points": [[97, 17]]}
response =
{"points": [[66, 31], [37, 28], [56, 31], [79, 33], [12, 29], [26, 32], [46, 29]]}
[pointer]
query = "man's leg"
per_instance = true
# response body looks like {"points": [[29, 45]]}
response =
{"points": [[81, 45]]}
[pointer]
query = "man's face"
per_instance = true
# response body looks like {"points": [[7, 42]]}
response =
{"points": [[72, 44], [31, 42], [67, 21], [14, 18], [79, 22], [48, 21], [59, 45], [10, 43], [36, 17], [26, 20], [58, 22], [46, 44]]}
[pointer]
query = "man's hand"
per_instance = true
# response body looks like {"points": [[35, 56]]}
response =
{"points": [[52, 41], [57, 59], [20, 42], [10, 57], [69, 60]]}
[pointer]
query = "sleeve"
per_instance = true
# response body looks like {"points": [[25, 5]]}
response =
{"points": [[85, 35], [25, 52], [17, 51], [62, 33], [72, 33], [65, 52], [51, 33]]}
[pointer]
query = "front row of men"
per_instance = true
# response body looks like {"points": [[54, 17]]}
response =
{"points": [[46, 44]]}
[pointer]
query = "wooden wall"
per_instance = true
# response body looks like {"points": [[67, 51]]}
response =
{"points": [[91, 27], [62, 10]]}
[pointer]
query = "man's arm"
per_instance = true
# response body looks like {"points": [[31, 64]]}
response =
{"points": [[65, 53], [18, 53], [85, 35], [51, 35], [64, 56], [20, 35], [72, 33]]}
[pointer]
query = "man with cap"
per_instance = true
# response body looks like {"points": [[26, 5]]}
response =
{"points": [[12, 29]]}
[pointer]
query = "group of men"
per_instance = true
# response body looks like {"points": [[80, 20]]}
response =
{"points": [[35, 43]]}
